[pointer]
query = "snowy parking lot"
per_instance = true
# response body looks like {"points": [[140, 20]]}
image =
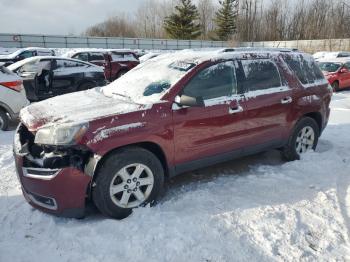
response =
{"points": [[258, 208]]}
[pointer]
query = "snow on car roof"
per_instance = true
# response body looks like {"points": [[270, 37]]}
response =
{"points": [[198, 56], [18, 64], [18, 51], [335, 59], [82, 50]]}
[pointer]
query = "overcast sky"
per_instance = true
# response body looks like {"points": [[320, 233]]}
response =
{"points": [[58, 16]]}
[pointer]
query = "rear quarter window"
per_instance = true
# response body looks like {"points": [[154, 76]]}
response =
{"points": [[305, 69]]}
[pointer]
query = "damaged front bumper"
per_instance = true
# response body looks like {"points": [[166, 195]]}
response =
{"points": [[54, 180]]}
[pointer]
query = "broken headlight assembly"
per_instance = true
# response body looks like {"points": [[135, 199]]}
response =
{"points": [[64, 134]]}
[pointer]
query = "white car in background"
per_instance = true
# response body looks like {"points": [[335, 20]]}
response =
{"points": [[12, 97], [329, 55]]}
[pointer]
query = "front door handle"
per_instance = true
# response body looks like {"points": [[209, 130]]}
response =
{"points": [[286, 100], [236, 110]]}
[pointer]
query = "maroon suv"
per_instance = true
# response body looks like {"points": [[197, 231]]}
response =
{"points": [[117, 144], [115, 62]]}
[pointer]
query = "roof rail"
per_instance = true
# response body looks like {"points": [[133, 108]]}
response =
{"points": [[237, 49]]}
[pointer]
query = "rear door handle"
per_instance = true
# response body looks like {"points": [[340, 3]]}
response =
{"points": [[286, 100], [236, 110]]}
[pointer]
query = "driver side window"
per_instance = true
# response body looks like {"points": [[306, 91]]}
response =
{"points": [[215, 81]]}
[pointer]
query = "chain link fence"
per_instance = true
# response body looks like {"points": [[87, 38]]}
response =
{"points": [[26, 40]]}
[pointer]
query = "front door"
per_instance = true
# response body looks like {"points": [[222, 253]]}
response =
{"points": [[215, 128]]}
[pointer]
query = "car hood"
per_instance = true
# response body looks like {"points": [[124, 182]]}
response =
{"points": [[79, 107]]}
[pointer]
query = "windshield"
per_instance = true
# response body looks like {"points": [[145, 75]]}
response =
{"points": [[148, 82], [329, 66]]}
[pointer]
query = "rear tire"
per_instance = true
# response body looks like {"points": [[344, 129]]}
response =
{"points": [[303, 138], [4, 121], [335, 86], [127, 179]]}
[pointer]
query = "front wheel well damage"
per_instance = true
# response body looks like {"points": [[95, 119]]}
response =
{"points": [[149, 146]]}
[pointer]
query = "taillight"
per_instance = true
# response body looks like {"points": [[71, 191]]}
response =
{"points": [[14, 85]]}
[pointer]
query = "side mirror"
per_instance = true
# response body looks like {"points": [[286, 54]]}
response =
{"points": [[19, 57], [189, 101], [344, 70]]}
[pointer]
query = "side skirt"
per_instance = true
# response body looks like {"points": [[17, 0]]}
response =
{"points": [[212, 160]]}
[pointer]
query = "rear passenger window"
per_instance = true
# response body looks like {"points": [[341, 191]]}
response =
{"points": [[260, 75], [60, 63], [215, 81], [96, 57], [82, 57]]}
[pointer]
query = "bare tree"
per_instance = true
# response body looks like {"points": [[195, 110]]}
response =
{"points": [[206, 10]]}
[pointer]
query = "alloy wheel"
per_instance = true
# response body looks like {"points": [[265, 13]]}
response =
{"points": [[305, 140], [131, 185]]}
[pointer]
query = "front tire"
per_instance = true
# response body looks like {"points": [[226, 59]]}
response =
{"points": [[4, 121], [129, 178], [304, 138]]}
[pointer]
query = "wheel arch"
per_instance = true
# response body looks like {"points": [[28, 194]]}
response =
{"points": [[149, 146], [317, 116]]}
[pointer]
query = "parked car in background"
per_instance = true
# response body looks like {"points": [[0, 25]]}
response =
{"points": [[178, 112], [337, 72], [24, 53], [330, 55], [12, 97], [148, 56], [115, 62], [47, 76]]}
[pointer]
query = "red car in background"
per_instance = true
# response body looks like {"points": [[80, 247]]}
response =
{"points": [[337, 72], [115, 62]]}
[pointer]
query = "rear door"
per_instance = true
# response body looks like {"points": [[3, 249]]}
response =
{"points": [[268, 100], [66, 76], [216, 128]]}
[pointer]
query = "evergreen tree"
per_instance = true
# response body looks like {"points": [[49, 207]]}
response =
{"points": [[183, 23], [225, 19]]}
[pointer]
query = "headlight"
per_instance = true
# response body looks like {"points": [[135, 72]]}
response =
{"points": [[60, 134]]}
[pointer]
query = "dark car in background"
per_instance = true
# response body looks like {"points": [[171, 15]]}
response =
{"points": [[337, 72], [47, 76], [20, 54], [115, 62]]}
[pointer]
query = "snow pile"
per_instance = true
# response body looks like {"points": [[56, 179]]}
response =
{"points": [[258, 208]]}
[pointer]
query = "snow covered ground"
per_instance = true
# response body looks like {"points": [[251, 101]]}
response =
{"points": [[258, 208]]}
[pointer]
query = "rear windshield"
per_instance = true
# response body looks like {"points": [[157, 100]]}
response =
{"points": [[305, 68]]}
